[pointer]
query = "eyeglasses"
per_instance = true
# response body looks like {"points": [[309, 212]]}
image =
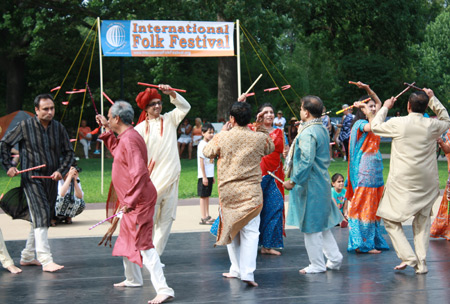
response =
{"points": [[156, 103]]}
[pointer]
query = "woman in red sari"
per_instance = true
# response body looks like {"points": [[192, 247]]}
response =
{"points": [[272, 215]]}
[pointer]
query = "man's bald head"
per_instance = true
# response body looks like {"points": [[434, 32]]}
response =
{"points": [[313, 104]]}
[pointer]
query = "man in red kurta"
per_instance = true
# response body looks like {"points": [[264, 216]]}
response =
{"points": [[137, 197]]}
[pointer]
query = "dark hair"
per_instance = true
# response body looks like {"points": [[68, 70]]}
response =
{"points": [[206, 127], [242, 113], [266, 105], [418, 101], [38, 98], [335, 177], [359, 113], [313, 104]]}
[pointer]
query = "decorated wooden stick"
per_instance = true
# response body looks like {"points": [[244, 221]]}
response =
{"points": [[270, 89], [407, 88], [253, 84], [275, 177], [92, 98], [75, 91], [351, 107], [107, 97], [157, 87], [101, 222], [41, 176], [31, 169], [412, 86], [326, 113]]}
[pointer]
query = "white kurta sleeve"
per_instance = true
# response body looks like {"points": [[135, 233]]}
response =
{"points": [[382, 128], [443, 123], [181, 110]]}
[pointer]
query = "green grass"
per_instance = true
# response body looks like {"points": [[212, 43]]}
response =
{"points": [[90, 177]]}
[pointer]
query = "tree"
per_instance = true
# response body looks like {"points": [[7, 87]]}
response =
{"points": [[433, 55]]}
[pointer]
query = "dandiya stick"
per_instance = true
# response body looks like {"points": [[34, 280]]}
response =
{"points": [[413, 86], [101, 222], [40, 176], [156, 86], [107, 97], [31, 169], [253, 84], [76, 91], [285, 87], [270, 89], [407, 88], [275, 177], [73, 139], [56, 88], [92, 98], [351, 107]]}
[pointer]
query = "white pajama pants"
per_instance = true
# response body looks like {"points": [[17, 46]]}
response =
{"points": [[165, 213], [243, 251], [150, 259], [37, 242], [86, 144], [319, 244], [5, 259]]}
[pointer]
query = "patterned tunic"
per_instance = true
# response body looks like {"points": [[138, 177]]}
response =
{"points": [[37, 146], [239, 176]]}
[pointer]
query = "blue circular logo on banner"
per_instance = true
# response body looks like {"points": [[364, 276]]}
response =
{"points": [[115, 36]]}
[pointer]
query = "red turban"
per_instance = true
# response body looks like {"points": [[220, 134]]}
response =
{"points": [[144, 98]]}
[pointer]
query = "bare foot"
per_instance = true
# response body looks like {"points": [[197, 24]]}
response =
{"points": [[14, 269], [270, 251], [161, 298], [374, 251], [251, 283], [32, 263], [52, 267], [402, 266], [121, 284], [229, 275]]}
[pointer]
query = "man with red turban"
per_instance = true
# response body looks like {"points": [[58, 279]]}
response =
{"points": [[160, 136]]}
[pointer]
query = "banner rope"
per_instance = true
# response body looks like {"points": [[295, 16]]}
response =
{"points": [[246, 34], [79, 51]]}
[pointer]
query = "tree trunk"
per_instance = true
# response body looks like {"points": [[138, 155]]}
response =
{"points": [[227, 83], [15, 84], [227, 86]]}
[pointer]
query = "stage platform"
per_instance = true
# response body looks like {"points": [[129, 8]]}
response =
{"points": [[193, 269]]}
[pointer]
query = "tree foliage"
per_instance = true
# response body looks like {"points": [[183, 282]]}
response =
{"points": [[315, 46]]}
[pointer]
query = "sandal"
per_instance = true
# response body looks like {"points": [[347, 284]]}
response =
{"points": [[207, 221]]}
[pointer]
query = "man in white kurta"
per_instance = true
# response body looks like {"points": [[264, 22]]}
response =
{"points": [[160, 136], [413, 182]]}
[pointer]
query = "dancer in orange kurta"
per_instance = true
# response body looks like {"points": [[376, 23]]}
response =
{"points": [[441, 224], [137, 197]]}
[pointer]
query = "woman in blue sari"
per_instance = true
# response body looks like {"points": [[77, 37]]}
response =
{"points": [[365, 180]]}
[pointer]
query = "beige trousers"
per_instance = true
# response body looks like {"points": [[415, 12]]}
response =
{"points": [[421, 230]]}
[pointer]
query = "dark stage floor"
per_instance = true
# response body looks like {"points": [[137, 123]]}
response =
{"points": [[193, 269]]}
